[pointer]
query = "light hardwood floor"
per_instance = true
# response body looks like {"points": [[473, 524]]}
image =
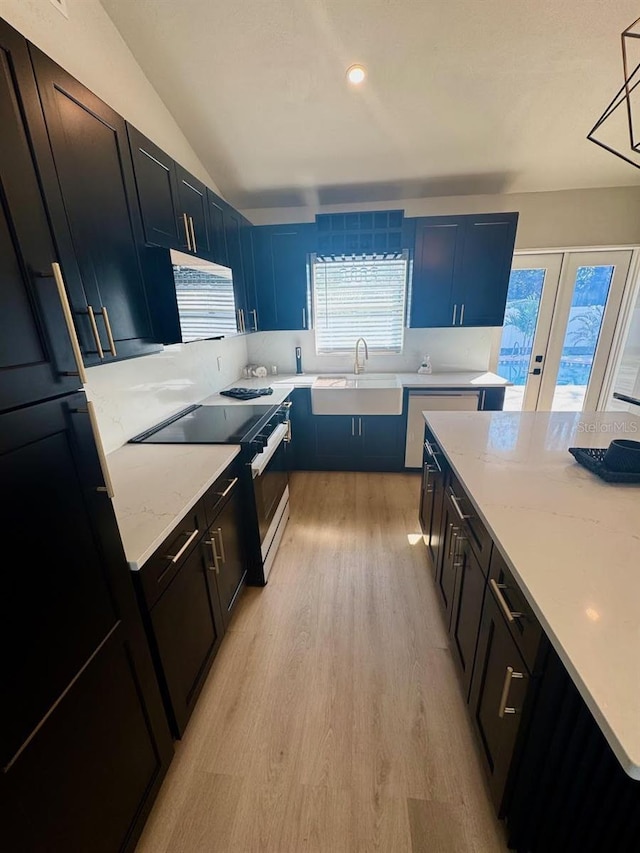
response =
{"points": [[332, 719]]}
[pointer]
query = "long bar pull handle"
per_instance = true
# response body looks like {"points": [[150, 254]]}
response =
{"points": [[239, 320], [108, 487], [511, 615], [105, 317], [229, 487], [193, 235], [462, 314], [304, 318], [455, 312], [216, 557], [454, 501], [185, 219], [359, 426], [94, 329], [510, 675], [68, 318], [244, 325], [353, 429], [176, 557], [221, 540], [255, 319]]}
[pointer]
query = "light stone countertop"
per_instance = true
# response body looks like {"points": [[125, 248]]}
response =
{"points": [[284, 383], [571, 540], [156, 484]]}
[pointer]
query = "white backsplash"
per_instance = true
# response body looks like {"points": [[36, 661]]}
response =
{"points": [[450, 350], [132, 395]]}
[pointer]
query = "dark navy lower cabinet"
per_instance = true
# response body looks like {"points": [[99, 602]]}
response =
{"points": [[359, 442]]}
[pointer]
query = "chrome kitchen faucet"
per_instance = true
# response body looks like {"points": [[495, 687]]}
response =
{"points": [[358, 367]]}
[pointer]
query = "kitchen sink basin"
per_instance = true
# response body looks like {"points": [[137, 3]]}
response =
{"points": [[357, 394]]}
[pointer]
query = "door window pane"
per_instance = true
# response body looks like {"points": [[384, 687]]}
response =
{"points": [[591, 289], [520, 321]]}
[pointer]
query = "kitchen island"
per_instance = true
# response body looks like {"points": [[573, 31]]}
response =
{"points": [[571, 543]]}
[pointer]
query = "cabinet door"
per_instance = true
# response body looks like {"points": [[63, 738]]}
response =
{"points": [[248, 264], [36, 359], [187, 629], [192, 213], [446, 572], [498, 691], [302, 445], [467, 609], [227, 545], [435, 268], [233, 227], [78, 679], [381, 442], [485, 267], [335, 442], [155, 174], [90, 192], [426, 501], [216, 226], [281, 258]]}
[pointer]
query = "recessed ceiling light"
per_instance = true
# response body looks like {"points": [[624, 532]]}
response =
{"points": [[356, 74]]}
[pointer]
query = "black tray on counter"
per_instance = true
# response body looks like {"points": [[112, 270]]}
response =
{"points": [[591, 458]]}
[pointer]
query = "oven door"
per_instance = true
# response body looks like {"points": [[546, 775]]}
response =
{"points": [[271, 480]]}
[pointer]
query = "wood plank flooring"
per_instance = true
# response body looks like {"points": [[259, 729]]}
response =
{"points": [[332, 719]]}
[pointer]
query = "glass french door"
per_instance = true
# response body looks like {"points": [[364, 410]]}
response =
{"points": [[560, 320]]}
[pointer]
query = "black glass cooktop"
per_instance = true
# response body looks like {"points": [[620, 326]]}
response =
{"points": [[209, 425]]}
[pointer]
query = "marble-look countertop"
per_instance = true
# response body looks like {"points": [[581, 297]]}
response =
{"points": [[282, 384], [571, 540], [155, 485]]}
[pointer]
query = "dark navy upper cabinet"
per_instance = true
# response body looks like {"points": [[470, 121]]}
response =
{"points": [[157, 186], [461, 268], [36, 359], [436, 262], [216, 226], [281, 255], [192, 212], [484, 270], [84, 161]]}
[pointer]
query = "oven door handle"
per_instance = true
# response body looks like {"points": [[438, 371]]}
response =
{"points": [[262, 459]]}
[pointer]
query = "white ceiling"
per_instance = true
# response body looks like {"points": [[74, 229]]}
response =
{"points": [[463, 97]]}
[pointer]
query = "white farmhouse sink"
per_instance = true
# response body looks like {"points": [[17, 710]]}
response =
{"points": [[357, 394]]}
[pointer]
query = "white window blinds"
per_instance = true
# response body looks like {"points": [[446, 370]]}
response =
{"points": [[361, 296]]}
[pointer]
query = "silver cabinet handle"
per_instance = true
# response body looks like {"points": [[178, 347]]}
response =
{"points": [[105, 317], [455, 311], [508, 678], [304, 318], [221, 540], [229, 487], [216, 558], [497, 588], [454, 533], [454, 501], [244, 327], [108, 487], [238, 320], [255, 319], [185, 219], [193, 235], [176, 557], [353, 427], [94, 329], [68, 319], [359, 426], [462, 314]]}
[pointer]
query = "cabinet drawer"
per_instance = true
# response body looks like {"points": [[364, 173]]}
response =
{"points": [[523, 624], [160, 569], [215, 496], [479, 538]]}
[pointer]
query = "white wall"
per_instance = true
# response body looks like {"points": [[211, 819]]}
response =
{"points": [[88, 46], [563, 219], [450, 350]]}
